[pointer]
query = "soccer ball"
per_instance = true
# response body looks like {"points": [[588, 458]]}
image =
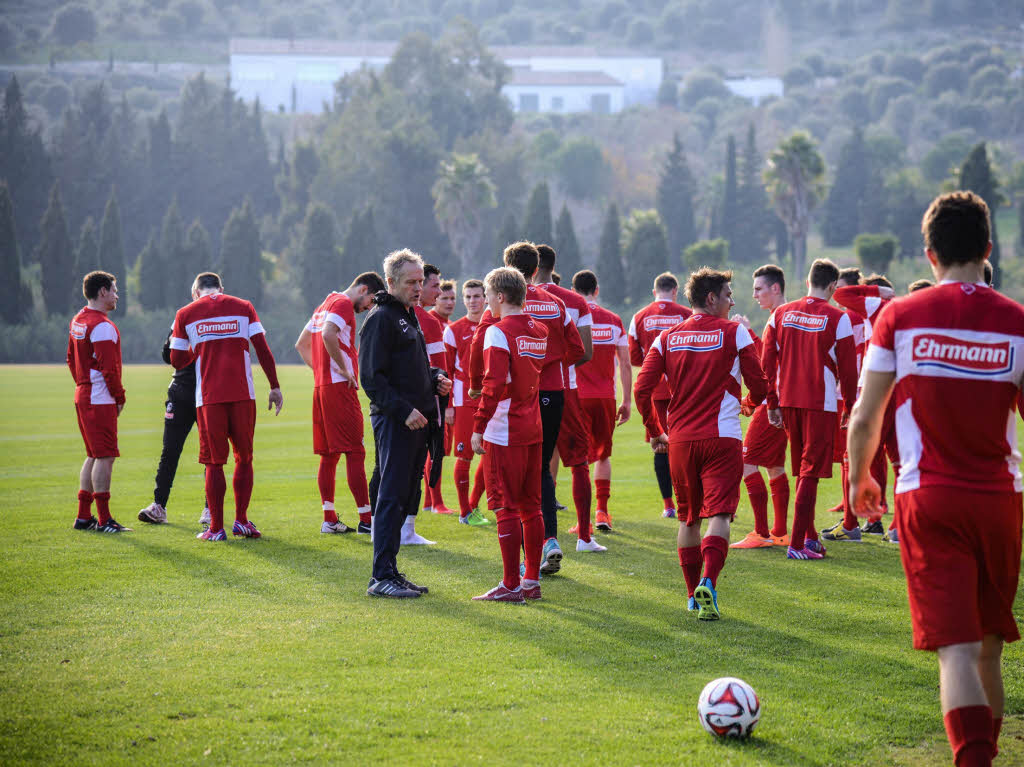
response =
{"points": [[729, 708]]}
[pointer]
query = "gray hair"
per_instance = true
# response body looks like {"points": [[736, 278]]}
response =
{"points": [[396, 260]]}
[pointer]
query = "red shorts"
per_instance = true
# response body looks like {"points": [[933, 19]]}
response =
{"points": [[600, 412], [961, 554], [98, 424], [223, 421], [661, 408], [337, 420], [512, 477], [839, 443], [463, 431], [811, 436], [574, 432], [706, 476], [763, 444]]}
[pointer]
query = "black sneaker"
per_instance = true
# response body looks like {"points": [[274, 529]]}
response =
{"points": [[85, 524], [363, 528], [559, 506], [389, 587], [410, 585], [873, 528], [112, 526]]}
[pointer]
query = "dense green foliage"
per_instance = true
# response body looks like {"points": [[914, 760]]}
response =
{"points": [[875, 251]]}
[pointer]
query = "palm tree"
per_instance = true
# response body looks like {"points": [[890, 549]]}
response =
{"points": [[463, 190], [795, 179]]}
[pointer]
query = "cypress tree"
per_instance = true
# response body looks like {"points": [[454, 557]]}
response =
{"points": [[753, 229], [241, 257], [172, 251], [12, 289], [976, 175], [198, 256], [676, 188], [646, 252], [56, 256], [610, 272], [152, 276], [360, 249], [508, 234], [566, 246], [319, 265], [111, 249], [537, 225], [842, 208], [87, 255], [730, 198]]}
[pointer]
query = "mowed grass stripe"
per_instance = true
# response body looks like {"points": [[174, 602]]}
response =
{"points": [[156, 648]]}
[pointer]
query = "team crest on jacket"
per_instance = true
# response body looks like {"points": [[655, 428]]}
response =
{"points": [[541, 310], [695, 341], [535, 348], [661, 322], [962, 355], [217, 328], [813, 323]]}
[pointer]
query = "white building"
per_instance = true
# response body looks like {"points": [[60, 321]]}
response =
{"points": [[755, 89], [299, 75]]}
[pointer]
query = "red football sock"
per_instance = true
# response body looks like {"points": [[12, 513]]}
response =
{"points": [[428, 496], [84, 504], [355, 473], [713, 551], [478, 486], [849, 518], [242, 484], [669, 503], [997, 725], [510, 539], [462, 486], [325, 481], [690, 560], [969, 730], [603, 488], [533, 543], [436, 501], [758, 493], [803, 510], [780, 504], [102, 506], [216, 486], [581, 499]]}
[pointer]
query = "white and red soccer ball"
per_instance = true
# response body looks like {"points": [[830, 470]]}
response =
{"points": [[729, 708]]}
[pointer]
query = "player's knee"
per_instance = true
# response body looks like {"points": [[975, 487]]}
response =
{"points": [[959, 655]]}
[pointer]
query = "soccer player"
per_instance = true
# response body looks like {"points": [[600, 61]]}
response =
{"points": [[703, 359], [508, 433], [328, 345], [597, 385], [808, 347], [94, 359], [564, 348], [445, 304], [663, 313], [763, 444], [574, 431], [457, 339], [958, 494], [215, 332], [433, 334]]}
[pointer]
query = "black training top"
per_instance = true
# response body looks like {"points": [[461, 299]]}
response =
{"points": [[183, 383]]}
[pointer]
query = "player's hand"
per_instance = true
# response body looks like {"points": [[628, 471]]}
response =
{"points": [[474, 393], [845, 420], [746, 408], [477, 443], [275, 398], [449, 416], [775, 418], [885, 292], [444, 385], [623, 414], [353, 382], [120, 408], [740, 318], [660, 443], [865, 497], [415, 420]]}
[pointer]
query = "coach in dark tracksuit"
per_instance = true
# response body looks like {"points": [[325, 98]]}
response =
{"points": [[396, 375]]}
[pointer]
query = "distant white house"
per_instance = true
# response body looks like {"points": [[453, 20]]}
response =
{"points": [[299, 75], [755, 89]]}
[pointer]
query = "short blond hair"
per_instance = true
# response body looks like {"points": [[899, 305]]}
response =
{"points": [[509, 282], [396, 260]]}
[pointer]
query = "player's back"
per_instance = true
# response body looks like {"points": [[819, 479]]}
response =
{"points": [[550, 312], [958, 353], [805, 333], [578, 311], [218, 327], [597, 377], [523, 341], [338, 310], [646, 325], [701, 359]]}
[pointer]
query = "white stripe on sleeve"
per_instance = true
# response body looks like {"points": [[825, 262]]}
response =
{"points": [[103, 332], [495, 338], [880, 360]]}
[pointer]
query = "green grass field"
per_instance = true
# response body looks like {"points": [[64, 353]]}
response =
{"points": [[155, 648]]}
